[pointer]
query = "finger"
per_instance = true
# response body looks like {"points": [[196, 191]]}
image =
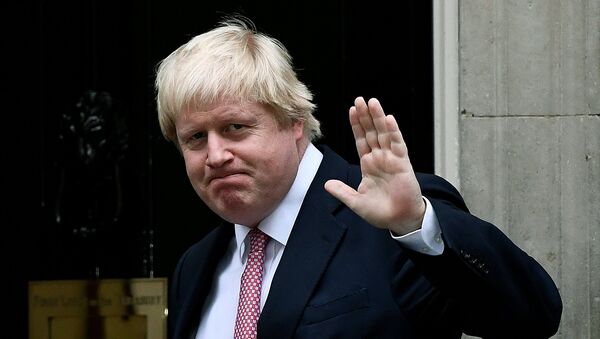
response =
{"points": [[378, 117], [344, 193], [397, 143], [362, 147], [366, 121]]}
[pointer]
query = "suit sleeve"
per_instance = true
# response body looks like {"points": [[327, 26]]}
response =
{"points": [[484, 281]]}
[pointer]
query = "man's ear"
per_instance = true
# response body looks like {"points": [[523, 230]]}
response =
{"points": [[298, 128]]}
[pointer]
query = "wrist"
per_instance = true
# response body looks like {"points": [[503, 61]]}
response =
{"points": [[412, 224]]}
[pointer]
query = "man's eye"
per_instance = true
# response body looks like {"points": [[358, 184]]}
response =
{"points": [[198, 135], [235, 127]]}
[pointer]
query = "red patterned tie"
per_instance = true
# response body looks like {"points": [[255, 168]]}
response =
{"points": [[250, 287]]}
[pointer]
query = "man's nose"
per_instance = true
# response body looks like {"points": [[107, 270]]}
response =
{"points": [[218, 152]]}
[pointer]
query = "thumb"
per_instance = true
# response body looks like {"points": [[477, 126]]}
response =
{"points": [[342, 192]]}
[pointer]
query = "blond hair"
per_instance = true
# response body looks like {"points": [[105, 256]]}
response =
{"points": [[233, 62]]}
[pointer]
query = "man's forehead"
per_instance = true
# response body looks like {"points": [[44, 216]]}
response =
{"points": [[227, 109]]}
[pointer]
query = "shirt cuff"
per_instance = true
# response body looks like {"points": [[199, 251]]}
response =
{"points": [[427, 239]]}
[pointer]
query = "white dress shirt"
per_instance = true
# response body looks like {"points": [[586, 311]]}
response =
{"points": [[220, 309]]}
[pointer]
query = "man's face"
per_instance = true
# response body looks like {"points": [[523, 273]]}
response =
{"points": [[238, 159]]}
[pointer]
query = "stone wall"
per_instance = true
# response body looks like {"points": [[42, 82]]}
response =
{"points": [[529, 137]]}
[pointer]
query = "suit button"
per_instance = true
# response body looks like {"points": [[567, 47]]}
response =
{"points": [[483, 268]]}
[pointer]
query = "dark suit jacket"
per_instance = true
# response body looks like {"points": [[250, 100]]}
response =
{"points": [[340, 277]]}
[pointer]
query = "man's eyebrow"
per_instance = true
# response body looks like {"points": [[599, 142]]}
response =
{"points": [[237, 113]]}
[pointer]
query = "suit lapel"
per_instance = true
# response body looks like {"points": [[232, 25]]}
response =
{"points": [[312, 243]]}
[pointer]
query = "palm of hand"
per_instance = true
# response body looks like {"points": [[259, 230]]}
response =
{"points": [[388, 195]]}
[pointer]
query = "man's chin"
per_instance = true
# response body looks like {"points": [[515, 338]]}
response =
{"points": [[240, 218], [235, 209]]}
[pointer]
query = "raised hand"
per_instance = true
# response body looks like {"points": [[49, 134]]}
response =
{"points": [[389, 195]]}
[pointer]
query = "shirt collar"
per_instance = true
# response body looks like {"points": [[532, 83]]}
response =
{"points": [[278, 225]]}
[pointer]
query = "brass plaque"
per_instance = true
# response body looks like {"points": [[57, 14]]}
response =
{"points": [[98, 309]]}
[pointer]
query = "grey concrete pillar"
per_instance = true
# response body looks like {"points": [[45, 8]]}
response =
{"points": [[529, 137]]}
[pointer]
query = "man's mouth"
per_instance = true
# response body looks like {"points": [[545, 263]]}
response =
{"points": [[223, 176]]}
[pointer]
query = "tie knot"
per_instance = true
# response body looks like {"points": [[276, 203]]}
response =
{"points": [[258, 240]]}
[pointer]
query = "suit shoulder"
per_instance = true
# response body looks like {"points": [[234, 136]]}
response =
{"points": [[216, 238]]}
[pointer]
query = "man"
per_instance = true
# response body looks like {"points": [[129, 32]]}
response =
{"points": [[311, 246]]}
